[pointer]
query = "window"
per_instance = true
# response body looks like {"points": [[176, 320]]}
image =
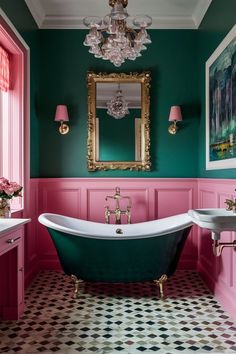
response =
{"points": [[14, 109], [4, 133]]}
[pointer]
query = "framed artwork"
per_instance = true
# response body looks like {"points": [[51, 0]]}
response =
{"points": [[221, 105]]}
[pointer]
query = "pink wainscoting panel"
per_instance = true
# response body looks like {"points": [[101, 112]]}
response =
{"points": [[172, 201], [218, 272], [64, 201], [59, 196]]}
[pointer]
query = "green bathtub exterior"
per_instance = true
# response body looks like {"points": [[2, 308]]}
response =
{"points": [[131, 260]]}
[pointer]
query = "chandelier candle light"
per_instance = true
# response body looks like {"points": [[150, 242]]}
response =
{"points": [[111, 38], [117, 107]]}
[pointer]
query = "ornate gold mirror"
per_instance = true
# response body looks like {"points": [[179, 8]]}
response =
{"points": [[118, 121]]}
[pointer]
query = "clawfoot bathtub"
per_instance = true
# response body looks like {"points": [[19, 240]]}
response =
{"points": [[93, 251]]}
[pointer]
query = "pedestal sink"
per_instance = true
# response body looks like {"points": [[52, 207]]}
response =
{"points": [[216, 220]]}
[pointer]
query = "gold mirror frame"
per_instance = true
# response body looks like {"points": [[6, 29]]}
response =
{"points": [[144, 79]]}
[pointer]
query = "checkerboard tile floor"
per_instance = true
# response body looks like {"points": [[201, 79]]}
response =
{"points": [[119, 318]]}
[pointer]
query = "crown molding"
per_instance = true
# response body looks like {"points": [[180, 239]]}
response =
{"points": [[76, 22], [173, 22], [45, 21], [200, 11], [36, 11], [63, 22]]}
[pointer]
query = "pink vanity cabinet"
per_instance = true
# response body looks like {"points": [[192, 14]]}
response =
{"points": [[12, 268]]}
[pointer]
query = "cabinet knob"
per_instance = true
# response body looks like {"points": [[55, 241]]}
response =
{"points": [[12, 240]]}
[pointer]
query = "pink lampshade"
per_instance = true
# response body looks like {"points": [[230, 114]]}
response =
{"points": [[175, 114], [61, 114]]}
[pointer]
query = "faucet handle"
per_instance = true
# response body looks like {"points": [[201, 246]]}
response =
{"points": [[230, 204]]}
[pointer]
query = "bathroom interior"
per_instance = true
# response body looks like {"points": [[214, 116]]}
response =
{"points": [[55, 144]]}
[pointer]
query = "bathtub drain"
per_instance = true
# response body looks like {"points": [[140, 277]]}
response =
{"points": [[119, 231]]}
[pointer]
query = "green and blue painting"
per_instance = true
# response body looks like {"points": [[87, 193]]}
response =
{"points": [[222, 105]]}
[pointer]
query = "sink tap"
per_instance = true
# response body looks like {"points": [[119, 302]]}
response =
{"points": [[231, 205]]}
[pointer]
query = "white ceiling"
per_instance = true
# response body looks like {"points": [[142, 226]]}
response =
{"points": [[166, 14], [130, 91]]}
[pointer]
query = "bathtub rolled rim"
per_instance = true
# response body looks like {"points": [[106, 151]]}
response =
{"points": [[159, 227]]}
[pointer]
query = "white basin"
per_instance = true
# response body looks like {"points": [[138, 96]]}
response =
{"points": [[216, 220], [10, 224]]}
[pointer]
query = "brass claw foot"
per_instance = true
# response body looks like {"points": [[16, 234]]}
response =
{"points": [[160, 282], [77, 282]]}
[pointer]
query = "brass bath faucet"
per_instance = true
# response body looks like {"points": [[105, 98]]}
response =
{"points": [[117, 211]]}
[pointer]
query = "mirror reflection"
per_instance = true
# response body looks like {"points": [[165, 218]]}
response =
{"points": [[118, 134], [118, 119]]}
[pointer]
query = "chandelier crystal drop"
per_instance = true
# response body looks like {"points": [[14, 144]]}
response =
{"points": [[111, 38], [117, 107]]}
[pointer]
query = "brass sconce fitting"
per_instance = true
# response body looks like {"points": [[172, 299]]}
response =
{"points": [[173, 128], [63, 128]]}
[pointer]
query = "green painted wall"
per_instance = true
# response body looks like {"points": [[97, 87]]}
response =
{"points": [[19, 14], [64, 62], [219, 19], [59, 63], [176, 59]]}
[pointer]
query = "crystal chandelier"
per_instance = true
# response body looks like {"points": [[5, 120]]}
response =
{"points": [[117, 107], [111, 38]]}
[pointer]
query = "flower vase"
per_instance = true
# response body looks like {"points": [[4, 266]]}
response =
{"points": [[5, 208]]}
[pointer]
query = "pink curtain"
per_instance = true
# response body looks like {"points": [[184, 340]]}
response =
{"points": [[4, 70]]}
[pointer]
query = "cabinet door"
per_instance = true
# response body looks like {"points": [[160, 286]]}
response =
{"points": [[12, 275]]}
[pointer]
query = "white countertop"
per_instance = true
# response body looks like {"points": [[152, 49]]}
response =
{"points": [[11, 224]]}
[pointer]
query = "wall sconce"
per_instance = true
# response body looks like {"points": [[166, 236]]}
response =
{"points": [[175, 116], [62, 116]]}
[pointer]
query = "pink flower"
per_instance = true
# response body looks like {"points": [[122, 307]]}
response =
{"points": [[8, 189], [3, 180], [15, 186], [3, 183]]}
